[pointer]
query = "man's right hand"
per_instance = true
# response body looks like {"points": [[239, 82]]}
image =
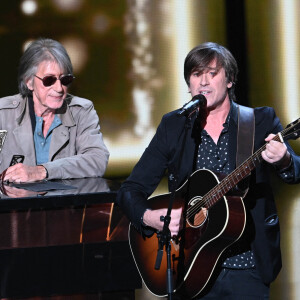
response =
{"points": [[22, 173], [152, 218]]}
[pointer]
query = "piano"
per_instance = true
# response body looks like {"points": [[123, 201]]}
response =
{"points": [[65, 239]]}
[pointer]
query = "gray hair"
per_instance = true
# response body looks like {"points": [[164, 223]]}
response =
{"points": [[38, 51]]}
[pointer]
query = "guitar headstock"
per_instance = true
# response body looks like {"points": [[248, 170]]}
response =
{"points": [[292, 130]]}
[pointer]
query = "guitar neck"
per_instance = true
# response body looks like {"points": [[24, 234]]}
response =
{"points": [[236, 176]]}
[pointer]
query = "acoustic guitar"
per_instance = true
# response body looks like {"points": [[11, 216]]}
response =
{"points": [[212, 221]]}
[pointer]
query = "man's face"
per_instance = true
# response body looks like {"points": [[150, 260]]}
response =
{"points": [[212, 83], [51, 97]]}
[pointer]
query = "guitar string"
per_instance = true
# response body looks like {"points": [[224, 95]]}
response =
{"points": [[207, 199], [214, 195], [211, 199]]}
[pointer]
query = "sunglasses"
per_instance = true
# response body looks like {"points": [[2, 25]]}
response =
{"points": [[51, 79]]}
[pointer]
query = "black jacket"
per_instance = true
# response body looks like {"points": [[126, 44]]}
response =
{"points": [[162, 155]]}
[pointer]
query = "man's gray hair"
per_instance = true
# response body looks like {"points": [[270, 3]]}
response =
{"points": [[38, 51]]}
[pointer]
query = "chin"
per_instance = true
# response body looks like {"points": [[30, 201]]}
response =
{"points": [[56, 105]]}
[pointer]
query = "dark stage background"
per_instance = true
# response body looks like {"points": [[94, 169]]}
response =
{"points": [[128, 59]]}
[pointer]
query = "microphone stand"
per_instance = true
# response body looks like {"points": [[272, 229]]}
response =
{"points": [[164, 237]]}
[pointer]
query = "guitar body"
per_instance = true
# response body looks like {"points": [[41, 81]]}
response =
{"points": [[212, 222], [195, 255]]}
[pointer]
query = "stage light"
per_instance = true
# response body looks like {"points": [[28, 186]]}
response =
{"points": [[77, 50], [182, 45], [68, 5], [100, 23], [29, 7], [289, 58], [294, 226]]}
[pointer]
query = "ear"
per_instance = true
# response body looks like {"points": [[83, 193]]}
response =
{"points": [[29, 84], [229, 85]]}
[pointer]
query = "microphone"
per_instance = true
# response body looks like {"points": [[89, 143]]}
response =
{"points": [[191, 106]]}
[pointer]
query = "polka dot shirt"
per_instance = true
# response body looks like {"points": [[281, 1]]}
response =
{"points": [[215, 158]]}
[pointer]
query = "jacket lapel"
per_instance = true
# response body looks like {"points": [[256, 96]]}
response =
{"points": [[182, 163], [24, 135], [61, 134]]}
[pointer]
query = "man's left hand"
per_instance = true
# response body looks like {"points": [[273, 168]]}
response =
{"points": [[276, 153]]}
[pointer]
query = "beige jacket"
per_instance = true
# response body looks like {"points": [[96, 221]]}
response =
{"points": [[77, 148]]}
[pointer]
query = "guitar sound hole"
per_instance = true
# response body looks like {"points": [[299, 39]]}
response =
{"points": [[199, 218]]}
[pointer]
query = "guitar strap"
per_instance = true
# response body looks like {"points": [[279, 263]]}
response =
{"points": [[245, 136]]}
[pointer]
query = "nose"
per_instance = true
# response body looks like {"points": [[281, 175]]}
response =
{"points": [[204, 79], [57, 86]]}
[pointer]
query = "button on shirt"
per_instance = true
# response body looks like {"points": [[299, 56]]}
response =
{"points": [[215, 158], [41, 143]]}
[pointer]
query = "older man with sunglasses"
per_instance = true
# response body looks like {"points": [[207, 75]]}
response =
{"points": [[48, 133]]}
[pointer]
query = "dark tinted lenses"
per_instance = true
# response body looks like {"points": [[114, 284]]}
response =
{"points": [[50, 80], [66, 79]]}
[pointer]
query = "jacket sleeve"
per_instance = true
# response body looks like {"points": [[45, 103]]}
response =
{"points": [[145, 177], [292, 174], [267, 115], [90, 157]]}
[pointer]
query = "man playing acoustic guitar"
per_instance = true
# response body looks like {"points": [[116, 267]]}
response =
{"points": [[232, 251]]}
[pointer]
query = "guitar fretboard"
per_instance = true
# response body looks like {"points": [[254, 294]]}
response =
{"points": [[231, 180], [292, 131]]}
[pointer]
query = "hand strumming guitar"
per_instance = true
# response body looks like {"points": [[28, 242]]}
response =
{"points": [[152, 218]]}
